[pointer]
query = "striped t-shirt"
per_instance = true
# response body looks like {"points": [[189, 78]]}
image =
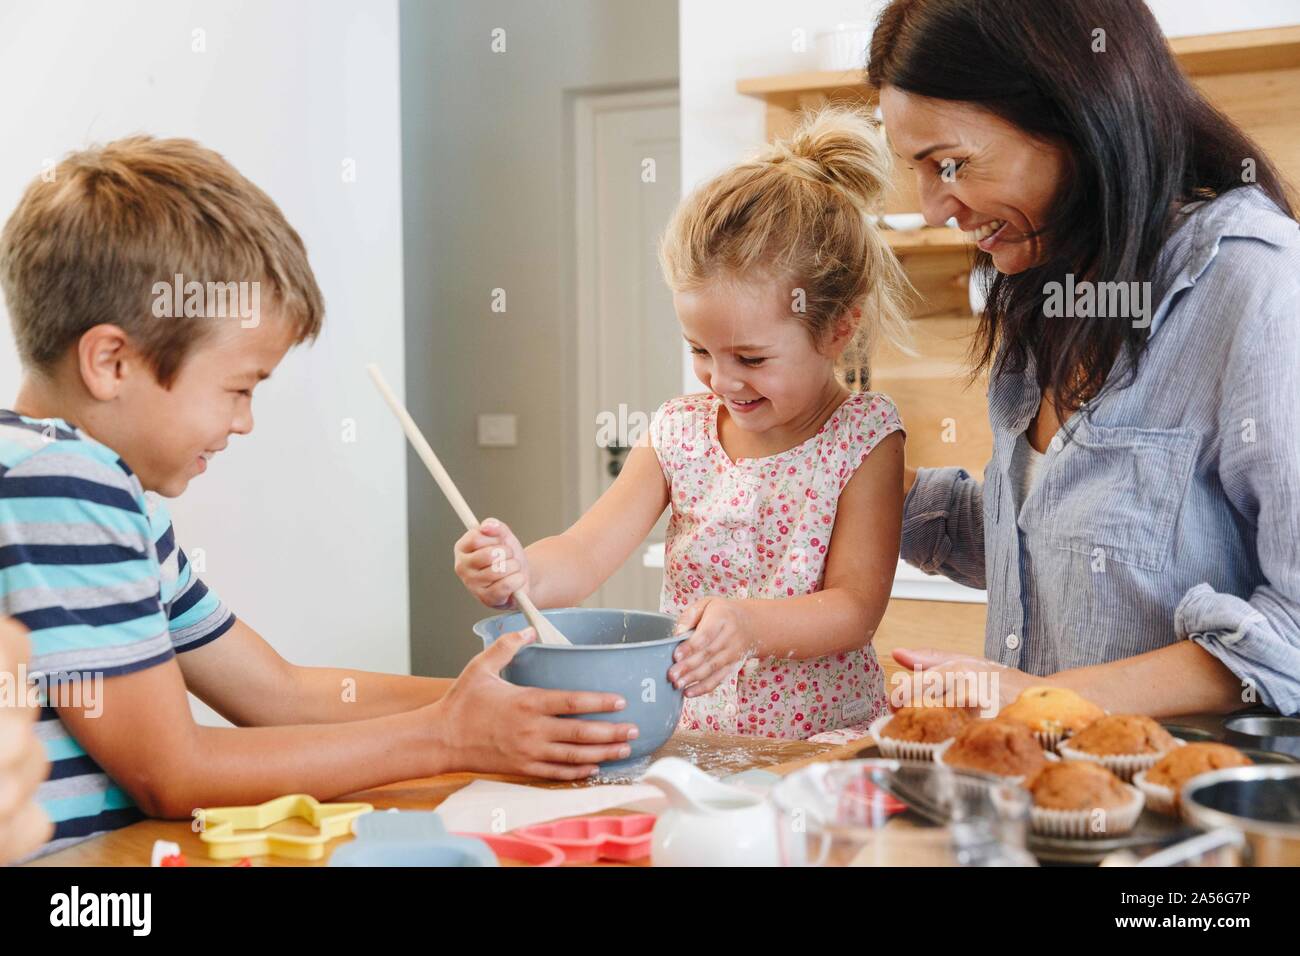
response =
{"points": [[89, 563]]}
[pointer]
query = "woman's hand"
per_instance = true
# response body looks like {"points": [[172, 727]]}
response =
{"points": [[491, 563], [23, 767], [986, 685], [720, 641]]}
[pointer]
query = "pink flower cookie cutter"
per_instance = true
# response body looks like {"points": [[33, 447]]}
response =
{"points": [[587, 839]]}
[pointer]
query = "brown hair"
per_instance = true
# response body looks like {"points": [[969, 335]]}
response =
{"points": [[800, 211], [88, 244]]}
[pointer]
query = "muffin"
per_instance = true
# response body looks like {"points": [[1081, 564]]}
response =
{"points": [[994, 746], [1125, 744], [915, 733], [1051, 713], [1082, 800], [1162, 782]]}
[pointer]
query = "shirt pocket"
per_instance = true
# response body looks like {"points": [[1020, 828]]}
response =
{"points": [[1120, 490]]}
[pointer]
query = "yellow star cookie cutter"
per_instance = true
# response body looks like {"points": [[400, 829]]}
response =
{"points": [[219, 826]]}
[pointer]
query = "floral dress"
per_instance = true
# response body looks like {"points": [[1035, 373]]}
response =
{"points": [[760, 528]]}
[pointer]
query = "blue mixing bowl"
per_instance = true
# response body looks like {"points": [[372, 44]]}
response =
{"points": [[613, 652]]}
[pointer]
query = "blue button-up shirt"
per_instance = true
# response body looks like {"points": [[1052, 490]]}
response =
{"points": [[1168, 510]]}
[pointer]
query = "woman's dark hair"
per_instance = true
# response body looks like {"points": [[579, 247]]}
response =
{"points": [[1139, 138]]}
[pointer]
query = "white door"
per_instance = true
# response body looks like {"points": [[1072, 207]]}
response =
{"points": [[627, 157]]}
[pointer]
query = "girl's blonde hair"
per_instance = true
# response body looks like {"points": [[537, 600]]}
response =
{"points": [[801, 211]]}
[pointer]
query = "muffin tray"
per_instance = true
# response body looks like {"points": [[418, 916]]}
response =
{"points": [[1152, 830], [1270, 740]]}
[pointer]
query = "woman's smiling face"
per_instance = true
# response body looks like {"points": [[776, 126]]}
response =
{"points": [[996, 180]]}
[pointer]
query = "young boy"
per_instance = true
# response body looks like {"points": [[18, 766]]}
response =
{"points": [[127, 395]]}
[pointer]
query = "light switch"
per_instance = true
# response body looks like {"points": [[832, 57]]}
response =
{"points": [[496, 431]]}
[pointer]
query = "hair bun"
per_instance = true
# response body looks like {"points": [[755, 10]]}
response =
{"points": [[839, 146]]}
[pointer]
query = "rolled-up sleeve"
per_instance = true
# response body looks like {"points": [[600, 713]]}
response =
{"points": [[943, 525], [1257, 636]]}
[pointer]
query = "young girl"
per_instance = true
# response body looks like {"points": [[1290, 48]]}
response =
{"points": [[785, 488]]}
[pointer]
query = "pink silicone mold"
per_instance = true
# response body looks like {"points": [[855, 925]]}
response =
{"points": [[519, 849], [585, 839]]}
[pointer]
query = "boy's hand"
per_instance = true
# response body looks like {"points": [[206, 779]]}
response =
{"points": [[489, 725], [491, 563], [23, 767], [720, 640]]}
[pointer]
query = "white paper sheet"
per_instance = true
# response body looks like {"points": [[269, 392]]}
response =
{"points": [[489, 806]]}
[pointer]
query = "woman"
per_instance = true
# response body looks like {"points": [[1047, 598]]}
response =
{"points": [[1137, 525]]}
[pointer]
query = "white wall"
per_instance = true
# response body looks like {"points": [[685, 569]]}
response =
{"points": [[305, 535], [725, 40], [488, 191]]}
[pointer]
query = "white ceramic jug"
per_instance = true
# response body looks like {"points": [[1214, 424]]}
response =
{"points": [[709, 823]]}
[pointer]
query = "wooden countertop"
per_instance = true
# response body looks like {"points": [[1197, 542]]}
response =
{"points": [[950, 626], [132, 845]]}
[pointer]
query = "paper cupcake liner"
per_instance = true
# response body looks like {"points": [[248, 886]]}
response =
{"points": [[1081, 824], [1124, 766], [1049, 740], [901, 749], [1159, 798]]}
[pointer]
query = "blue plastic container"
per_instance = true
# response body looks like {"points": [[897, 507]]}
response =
{"points": [[617, 652]]}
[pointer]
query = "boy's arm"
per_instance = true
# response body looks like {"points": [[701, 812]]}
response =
{"points": [[843, 616], [143, 736], [567, 568], [242, 678], [146, 740]]}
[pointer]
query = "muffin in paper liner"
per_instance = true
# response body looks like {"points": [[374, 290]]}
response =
{"points": [[1124, 766], [1078, 824], [1159, 798], [1049, 740], [1051, 713], [976, 784], [901, 749]]}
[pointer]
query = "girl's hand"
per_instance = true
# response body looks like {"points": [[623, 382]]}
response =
{"points": [[720, 640], [491, 563]]}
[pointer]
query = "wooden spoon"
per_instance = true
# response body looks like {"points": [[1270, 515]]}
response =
{"points": [[547, 632]]}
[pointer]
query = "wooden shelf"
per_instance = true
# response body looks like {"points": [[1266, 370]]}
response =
{"points": [[847, 82], [933, 390], [1245, 51]]}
